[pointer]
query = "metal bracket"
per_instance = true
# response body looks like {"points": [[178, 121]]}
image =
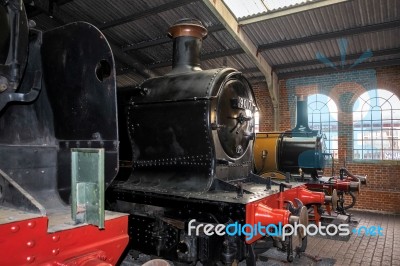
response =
{"points": [[87, 189]]}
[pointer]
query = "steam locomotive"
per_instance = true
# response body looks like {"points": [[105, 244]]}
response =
{"points": [[302, 151], [48, 92], [190, 134]]}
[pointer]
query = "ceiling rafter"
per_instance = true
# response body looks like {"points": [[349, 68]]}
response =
{"points": [[250, 70], [145, 13], [336, 59], [331, 35], [328, 70], [164, 39], [219, 9]]}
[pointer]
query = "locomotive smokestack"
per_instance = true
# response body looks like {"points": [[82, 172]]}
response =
{"points": [[302, 115], [188, 35]]}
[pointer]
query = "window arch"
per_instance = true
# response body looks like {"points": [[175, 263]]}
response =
{"points": [[376, 126], [323, 116]]}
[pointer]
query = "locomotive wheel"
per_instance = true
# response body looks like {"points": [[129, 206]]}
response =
{"points": [[299, 241], [303, 219], [299, 245]]}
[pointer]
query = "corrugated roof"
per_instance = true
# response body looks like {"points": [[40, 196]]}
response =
{"points": [[308, 33], [251, 8]]}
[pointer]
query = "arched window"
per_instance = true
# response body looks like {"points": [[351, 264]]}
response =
{"points": [[323, 116], [376, 126]]}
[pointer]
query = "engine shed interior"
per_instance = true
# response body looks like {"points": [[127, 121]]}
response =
{"points": [[146, 125]]}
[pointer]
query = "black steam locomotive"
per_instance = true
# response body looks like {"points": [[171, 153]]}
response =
{"points": [[192, 135]]}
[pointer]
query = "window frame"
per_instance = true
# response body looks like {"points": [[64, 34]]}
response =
{"points": [[370, 129], [312, 111]]}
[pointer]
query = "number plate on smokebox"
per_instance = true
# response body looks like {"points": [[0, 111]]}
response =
{"points": [[242, 103]]}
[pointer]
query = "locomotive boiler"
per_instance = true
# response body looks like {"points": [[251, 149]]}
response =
{"points": [[300, 149], [48, 93], [192, 135]]}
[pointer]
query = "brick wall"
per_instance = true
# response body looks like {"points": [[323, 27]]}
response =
{"points": [[265, 107], [383, 189]]}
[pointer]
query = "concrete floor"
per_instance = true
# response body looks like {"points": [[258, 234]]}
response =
{"points": [[363, 250]]}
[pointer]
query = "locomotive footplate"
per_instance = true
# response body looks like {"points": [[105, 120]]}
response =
{"points": [[157, 196]]}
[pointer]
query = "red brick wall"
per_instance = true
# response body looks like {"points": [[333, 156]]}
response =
{"points": [[383, 189], [284, 111], [265, 107]]}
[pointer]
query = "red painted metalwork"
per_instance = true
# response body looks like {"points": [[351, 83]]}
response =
{"points": [[259, 212], [307, 197], [27, 242], [271, 210], [340, 185], [317, 217]]}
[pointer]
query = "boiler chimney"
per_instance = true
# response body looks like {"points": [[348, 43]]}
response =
{"points": [[188, 35], [302, 116]]}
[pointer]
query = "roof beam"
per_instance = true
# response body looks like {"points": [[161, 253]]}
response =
{"points": [[221, 54], [163, 40], [336, 59], [256, 79], [250, 70], [203, 57], [331, 35], [132, 62], [223, 14], [288, 11], [145, 13], [328, 70]]}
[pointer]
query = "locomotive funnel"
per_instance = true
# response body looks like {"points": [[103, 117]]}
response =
{"points": [[188, 35], [302, 116]]}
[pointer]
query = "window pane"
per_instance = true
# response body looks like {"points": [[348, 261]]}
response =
{"points": [[322, 116], [376, 126]]}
